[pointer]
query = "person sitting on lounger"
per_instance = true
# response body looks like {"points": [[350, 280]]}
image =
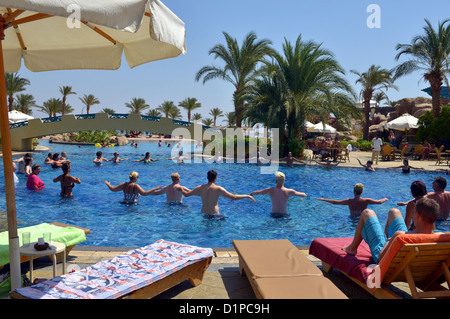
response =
{"points": [[426, 211], [279, 195], [131, 190], [210, 193], [172, 191], [356, 204]]}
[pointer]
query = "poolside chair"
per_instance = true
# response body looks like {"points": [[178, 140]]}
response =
{"points": [[386, 152], [418, 259], [276, 269], [138, 274], [441, 158], [343, 155], [435, 152], [400, 154], [419, 151]]}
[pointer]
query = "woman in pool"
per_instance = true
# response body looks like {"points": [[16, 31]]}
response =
{"points": [[147, 159], [34, 183], [368, 166], [99, 159], [131, 190], [67, 181], [406, 168]]}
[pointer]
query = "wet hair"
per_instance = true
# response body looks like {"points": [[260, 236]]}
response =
{"points": [[418, 188], [175, 176], [212, 175], [428, 209], [99, 153], [442, 182], [65, 167], [50, 155], [55, 156], [358, 189], [280, 177]]}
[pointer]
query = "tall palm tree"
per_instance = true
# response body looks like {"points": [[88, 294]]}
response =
{"points": [[196, 117], [166, 107], [175, 113], [24, 102], [208, 121], [231, 119], [14, 84], [429, 53], [240, 66], [51, 107], [373, 79], [189, 103], [108, 110], [88, 101], [65, 91], [137, 105], [379, 96], [215, 113]]}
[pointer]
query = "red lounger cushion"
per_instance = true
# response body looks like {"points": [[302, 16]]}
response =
{"points": [[329, 250]]}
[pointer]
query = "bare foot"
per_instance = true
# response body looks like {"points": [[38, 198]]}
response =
{"points": [[349, 250]]}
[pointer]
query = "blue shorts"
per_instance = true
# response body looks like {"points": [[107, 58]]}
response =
{"points": [[373, 234]]}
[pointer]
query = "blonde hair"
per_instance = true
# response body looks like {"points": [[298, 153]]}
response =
{"points": [[358, 189], [175, 176], [279, 177], [134, 174]]}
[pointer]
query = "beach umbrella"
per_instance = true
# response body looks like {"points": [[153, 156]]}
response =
{"points": [[76, 34], [405, 121], [16, 116], [321, 128], [445, 94], [308, 124]]}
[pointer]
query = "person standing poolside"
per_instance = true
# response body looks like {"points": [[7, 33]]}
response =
{"points": [[147, 159], [356, 204], [34, 183], [67, 181], [116, 159], [441, 196], [131, 190], [172, 191], [210, 193], [377, 143], [279, 195], [426, 211], [99, 159]]}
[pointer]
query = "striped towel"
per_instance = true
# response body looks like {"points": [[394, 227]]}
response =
{"points": [[121, 275]]}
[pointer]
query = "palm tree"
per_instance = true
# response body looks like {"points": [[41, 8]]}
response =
{"points": [[14, 84], [175, 113], [196, 117], [373, 79], [137, 105], [108, 110], [65, 90], [240, 66], [429, 53], [231, 119], [166, 107], [379, 96], [88, 101], [189, 103], [24, 102], [215, 113], [51, 107], [154, 113], [208, 121]]}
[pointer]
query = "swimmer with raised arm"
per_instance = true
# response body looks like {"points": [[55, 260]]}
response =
{"points": [[356, 204], [116, 159], [279, 195], [210, 193], [147, 159], [172, 191], [99, 159]]}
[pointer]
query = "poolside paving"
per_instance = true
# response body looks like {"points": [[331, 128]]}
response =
{"points": [[222, 279]]}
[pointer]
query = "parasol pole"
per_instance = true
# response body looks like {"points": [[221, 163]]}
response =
{"points": [[14, 255]]}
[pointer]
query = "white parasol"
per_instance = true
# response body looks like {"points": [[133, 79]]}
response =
{"points": [[76, 34], [16, 116], [321, 128], [403, 122]]}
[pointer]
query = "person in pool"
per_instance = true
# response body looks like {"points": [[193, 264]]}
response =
{"points": [[147, 159], [279, 195], [210, 193], [356, 204], [131, 190], [406, 168], [418, 191], [116, 159], [290, 160], [99, 159], [33, 181], [172, 191], [67, 181], [368, 166]]}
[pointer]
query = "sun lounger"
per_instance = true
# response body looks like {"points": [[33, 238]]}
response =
{"points": [[67, 234], [420, 260], [277, 269], [140, 273]]}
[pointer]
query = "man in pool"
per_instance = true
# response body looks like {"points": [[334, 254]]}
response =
{"points": [[279, 195], [172, 191], [356, 204], [369, 228], [210, 193], [441, 196]]}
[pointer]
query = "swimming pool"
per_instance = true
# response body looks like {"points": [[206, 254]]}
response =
{"points": [[113, 224]]}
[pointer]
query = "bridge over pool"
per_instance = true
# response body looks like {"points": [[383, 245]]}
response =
{"points": [[22, 133]]}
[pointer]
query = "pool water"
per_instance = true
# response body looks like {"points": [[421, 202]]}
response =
{"points": [[113, 224]]}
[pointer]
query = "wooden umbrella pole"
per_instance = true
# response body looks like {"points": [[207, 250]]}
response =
{"points": [[9, 173]]}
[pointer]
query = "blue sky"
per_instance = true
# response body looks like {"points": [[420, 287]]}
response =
{"points": [[341, 27]]}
